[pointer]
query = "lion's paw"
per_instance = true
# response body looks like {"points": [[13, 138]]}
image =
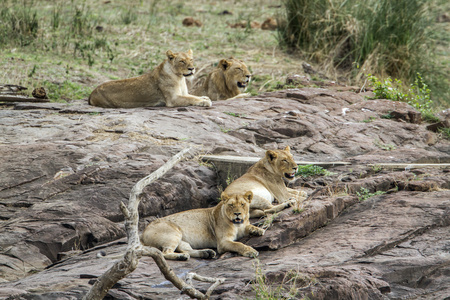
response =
{"points": [[300, 195], [257, 231], [206, 102], [290, 202], [183, 256], [208, 253], [250, 253], [260, 231]]}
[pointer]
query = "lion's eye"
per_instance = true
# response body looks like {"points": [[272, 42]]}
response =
{"points": [[243, 204], [183, 62]]}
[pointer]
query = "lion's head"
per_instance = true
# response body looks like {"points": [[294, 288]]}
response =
{"points": [[182, 62], [236, 73], [282, 162], [236, 206]]}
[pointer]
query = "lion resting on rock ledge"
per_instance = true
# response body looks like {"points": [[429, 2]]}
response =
{"points": [[266, 181], [164, 86], [216, 227], [228, 81]]}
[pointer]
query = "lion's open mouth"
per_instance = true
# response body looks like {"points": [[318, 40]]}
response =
{"points": [[242, 84], [289, 175], [237, 221]]}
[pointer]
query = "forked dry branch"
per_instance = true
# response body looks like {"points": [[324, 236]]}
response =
{"points": [[136, 250]]}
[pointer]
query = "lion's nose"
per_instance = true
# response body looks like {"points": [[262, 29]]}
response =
{"points": [[248, 77], [191, 69], [237, 214]]}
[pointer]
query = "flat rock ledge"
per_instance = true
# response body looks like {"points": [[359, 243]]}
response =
{"points": [[66, 167]]}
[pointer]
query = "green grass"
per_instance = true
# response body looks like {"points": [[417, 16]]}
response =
{"points": [[312, 170], [386, 147], [237, 115], [382, 37], [445, 133], [370, 119], [365, 194], [418, 95]]}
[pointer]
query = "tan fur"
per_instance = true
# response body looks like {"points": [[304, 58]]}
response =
{"points": [[228, 81], [216, 227], [164, 86], [266, 180]]}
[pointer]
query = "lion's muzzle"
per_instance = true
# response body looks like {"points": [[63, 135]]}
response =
{"points": [[289, 175], [237, 219], [190, 73], [243, 84]]}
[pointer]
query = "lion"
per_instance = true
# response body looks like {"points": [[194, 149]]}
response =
{"points": [[265, 180], [217, 227], [228, 81], [164, 86]]}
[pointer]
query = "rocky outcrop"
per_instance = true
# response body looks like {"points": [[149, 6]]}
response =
{"points": [[66, 168]]}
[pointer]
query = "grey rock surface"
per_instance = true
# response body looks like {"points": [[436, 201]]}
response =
{"points": [[66, 167]]}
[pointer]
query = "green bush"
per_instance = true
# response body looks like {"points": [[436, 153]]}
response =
{"points": [[312, 170], [418, 95], [381, 37]]}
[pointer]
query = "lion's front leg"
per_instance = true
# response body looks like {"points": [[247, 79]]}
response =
{"points": [[277, 208], [230, 246], [188, 100], [242, 95]]}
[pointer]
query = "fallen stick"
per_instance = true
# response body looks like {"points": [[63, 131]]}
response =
{"points": [[136, 250], [18, 98]]}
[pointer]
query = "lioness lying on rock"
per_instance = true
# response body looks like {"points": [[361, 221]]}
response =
{"points": [[218, 227], [266, 180], [228, 81], [164, 86]]}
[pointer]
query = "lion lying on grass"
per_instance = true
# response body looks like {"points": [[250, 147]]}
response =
{"points": [[266, 180], [164, 86], [218, 227], [228, 81]]}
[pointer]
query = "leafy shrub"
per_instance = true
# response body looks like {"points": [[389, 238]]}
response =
{"points": [[445, 133], [365, 194], [382, 37], [312, 170], [418, 95]]}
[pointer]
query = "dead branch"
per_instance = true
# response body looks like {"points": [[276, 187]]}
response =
{"points": [[18, 98], [136, 250], [216, 282]]}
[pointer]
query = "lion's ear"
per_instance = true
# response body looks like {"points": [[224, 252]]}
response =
{"points": [[224, 197], [170, 55], [225, 64], [190, 52], [288, 149], [249, 196], [271, 155]]}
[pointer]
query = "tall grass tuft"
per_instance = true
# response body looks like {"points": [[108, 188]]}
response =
{"points": [[380, 37], [18, 23]]}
